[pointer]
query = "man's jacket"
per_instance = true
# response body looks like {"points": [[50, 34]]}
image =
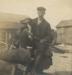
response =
{"points": [[42, 30]]}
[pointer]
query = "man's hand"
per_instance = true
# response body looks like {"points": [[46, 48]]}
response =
{"points": [[43, 40]]}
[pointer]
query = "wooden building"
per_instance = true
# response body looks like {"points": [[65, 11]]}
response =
{"points": [[64, 32], [9, 23]]}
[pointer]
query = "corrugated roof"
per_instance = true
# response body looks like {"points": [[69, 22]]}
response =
{"points": [[65, 23]]}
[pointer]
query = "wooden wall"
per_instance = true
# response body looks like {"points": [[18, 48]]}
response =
{"points": [[64, 35]]}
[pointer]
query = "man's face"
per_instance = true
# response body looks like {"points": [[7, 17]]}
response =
{"points": [[41, 13]]}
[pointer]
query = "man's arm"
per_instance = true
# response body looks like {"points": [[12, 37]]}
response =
{"points": [[48, 37]]}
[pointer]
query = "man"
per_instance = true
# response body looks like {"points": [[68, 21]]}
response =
{"points": [[41, 31], [22, 40]]}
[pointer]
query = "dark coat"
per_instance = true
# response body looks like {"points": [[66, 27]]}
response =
{"points": [[42, 31], [21, 39]]}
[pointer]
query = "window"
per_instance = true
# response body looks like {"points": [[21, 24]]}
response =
{"points": [[2, 40], [3, 36]]}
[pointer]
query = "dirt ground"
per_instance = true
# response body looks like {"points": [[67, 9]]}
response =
{"points": [[62, 64]]}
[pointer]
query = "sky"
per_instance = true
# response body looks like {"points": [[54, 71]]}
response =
{"points": [[57, 10]]}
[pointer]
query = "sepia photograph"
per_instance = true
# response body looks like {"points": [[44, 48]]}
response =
{"points": [[35, 37]]}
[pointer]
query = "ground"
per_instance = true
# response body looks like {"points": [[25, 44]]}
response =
{"points": [[62, 65]]}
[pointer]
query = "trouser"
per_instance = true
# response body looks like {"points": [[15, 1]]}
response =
{"points": [[40, 58], [20, 69]]}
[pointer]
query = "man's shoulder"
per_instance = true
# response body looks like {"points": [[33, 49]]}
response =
{"points": [[46, 23]]}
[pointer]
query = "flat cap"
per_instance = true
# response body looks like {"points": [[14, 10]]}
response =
{"points": [[41, 8], [26, 20]]}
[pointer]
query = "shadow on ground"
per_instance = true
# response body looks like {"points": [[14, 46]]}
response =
{"points": [[57, 50]]}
